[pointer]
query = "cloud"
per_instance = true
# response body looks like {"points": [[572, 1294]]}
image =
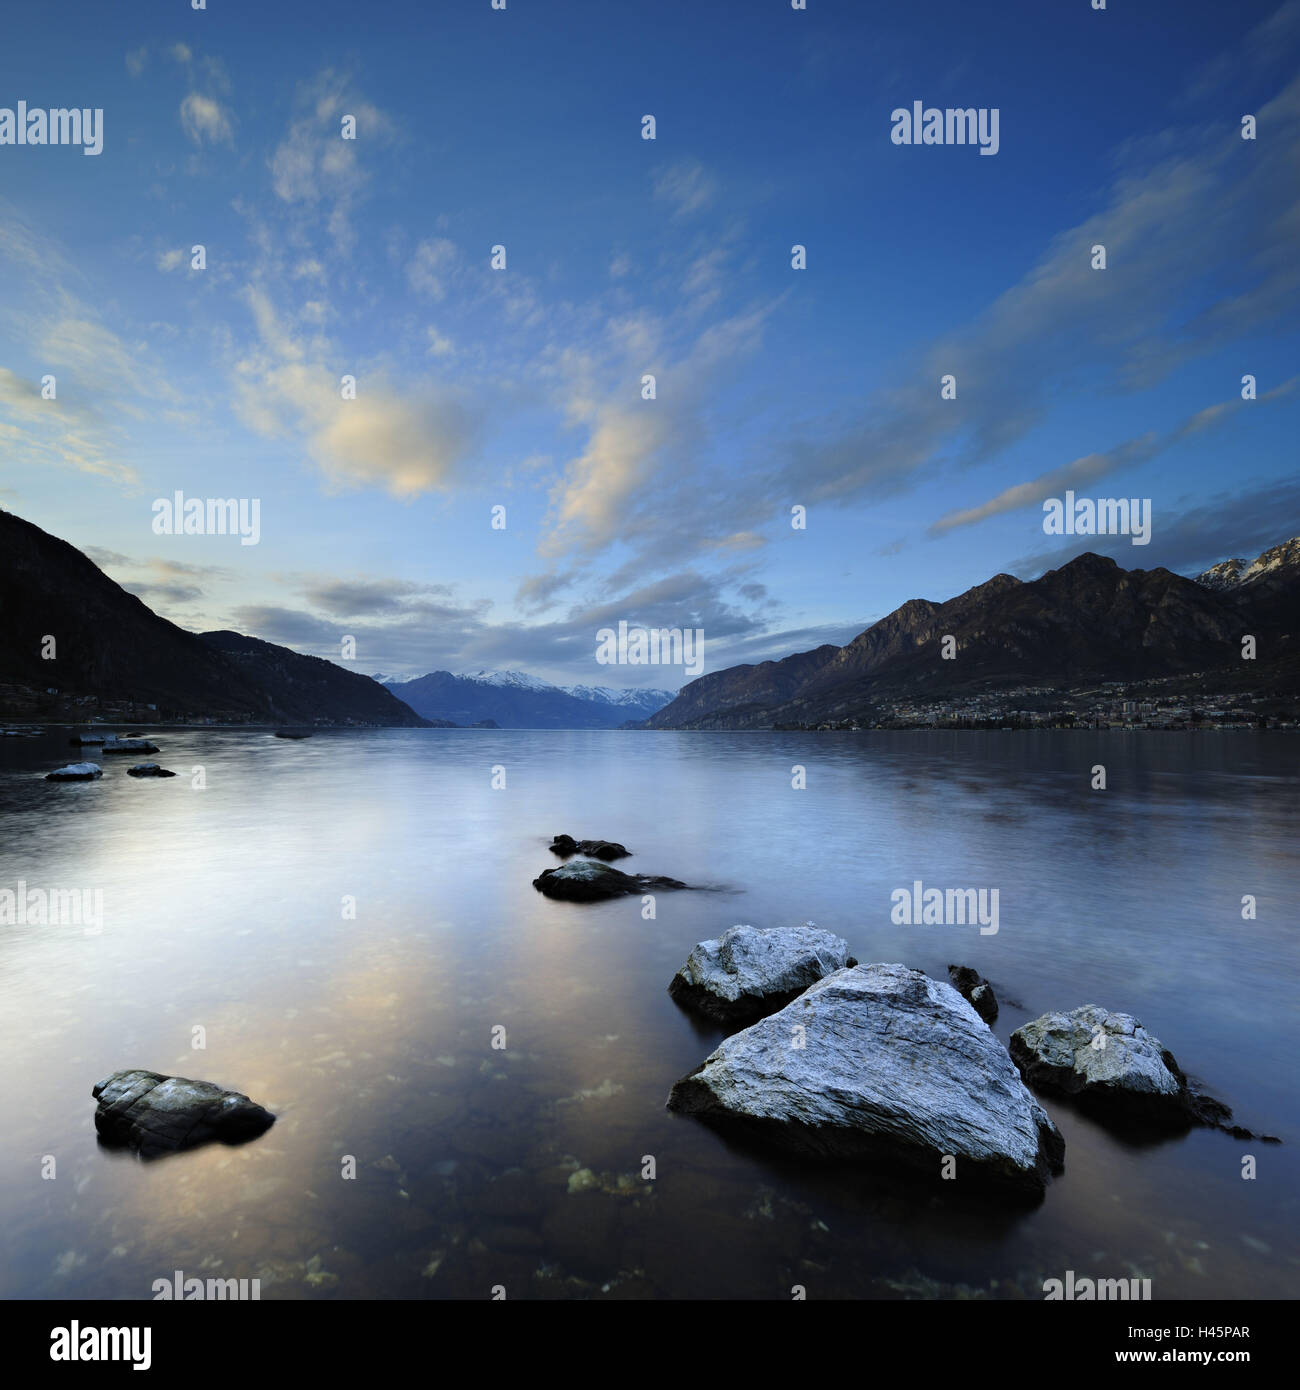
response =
{"points": [[204, 118], [1088, 469], [686, 186], [163, 593], [430, 265], [158, 582], [371, 597], [406, 441], [1210, 216], [538, 592], [314, 168], [637, 451], [405, 627], [98, 358], [1244, 522], [1070, 475], [439, 344], [137, 59], [54, 432], [105, 559]]}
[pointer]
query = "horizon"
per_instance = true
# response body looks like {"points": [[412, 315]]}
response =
{"points": [[491, 674], [521, 388]]}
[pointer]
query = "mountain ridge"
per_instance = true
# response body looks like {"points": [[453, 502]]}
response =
{"points": [[516, 700], [1086, 620], [111, 654]]}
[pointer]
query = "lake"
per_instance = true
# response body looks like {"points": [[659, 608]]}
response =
{"points": [[371, 1036]]}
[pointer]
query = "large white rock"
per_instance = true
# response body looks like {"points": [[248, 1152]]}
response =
{"points": [[1109, 1061], [880, 1062], [751, 971]]}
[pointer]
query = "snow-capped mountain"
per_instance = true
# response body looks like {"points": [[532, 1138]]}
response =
{"points": [[1232, 574], [511, 680], [610, 696], [517, 700]]}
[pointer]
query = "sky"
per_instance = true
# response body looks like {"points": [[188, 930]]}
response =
{"points": [[479, 387]]}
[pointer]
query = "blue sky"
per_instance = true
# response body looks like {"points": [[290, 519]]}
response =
{"points": [[521, 387]]}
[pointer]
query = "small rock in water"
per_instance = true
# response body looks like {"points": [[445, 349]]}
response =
{"points": [[975, 990], [291, 733], [748, 972], [156, 1114], [880, 1062], [1112, 1067], [566, 845], [130, 745], [148, 770], [587, 880], [86, 740], [76, 772]]}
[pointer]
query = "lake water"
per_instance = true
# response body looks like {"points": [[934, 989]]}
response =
{"points": [[476, 1167]]}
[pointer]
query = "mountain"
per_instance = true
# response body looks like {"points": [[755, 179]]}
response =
{"points": [[516, 700], [1233, 574], [1086, 622], [114, 657]]}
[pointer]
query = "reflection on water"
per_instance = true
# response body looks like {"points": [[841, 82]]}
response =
{"points": [[371, 1037]]}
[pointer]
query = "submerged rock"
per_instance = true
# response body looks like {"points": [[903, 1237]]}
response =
{"points": [[748, 972], [1113, 1068], [157, 1114], [75, 772], [130, 745], [587, 880], [291, 733], [1117, 1071], [975, 990], [879, 1062], [1109, 1062], [565, 845], [148, 770]]}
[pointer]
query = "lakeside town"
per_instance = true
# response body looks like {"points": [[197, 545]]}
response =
{"points": [[1171, 703]]}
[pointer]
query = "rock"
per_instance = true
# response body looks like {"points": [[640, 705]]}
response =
{"points": [[587, 880], [86, 740], [566, 845], [975, 990], [748, 972], [1108, 1062], [893, 1066], [156, 1114], [76, 772], [291, 733], [130, 745], [148, 770]]}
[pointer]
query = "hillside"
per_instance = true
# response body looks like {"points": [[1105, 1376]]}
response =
{"points": [[1087, 621], [114, 657]]}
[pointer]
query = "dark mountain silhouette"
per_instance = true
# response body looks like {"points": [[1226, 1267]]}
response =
{"points": [[110, 651], [1087, 621]]}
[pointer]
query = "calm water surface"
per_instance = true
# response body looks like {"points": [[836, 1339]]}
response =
{"points": [[476, 1167]]}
